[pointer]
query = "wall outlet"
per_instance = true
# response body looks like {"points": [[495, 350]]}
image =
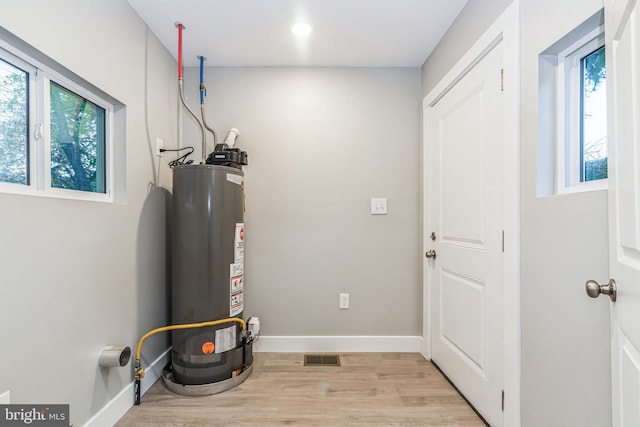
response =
{"points": [[378, 206], [159, 146], [344, 300]]}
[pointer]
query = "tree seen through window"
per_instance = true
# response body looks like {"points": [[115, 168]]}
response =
{"points": [[593, 165], [77, 142]]}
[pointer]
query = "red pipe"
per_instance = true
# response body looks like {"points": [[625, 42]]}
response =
{"points": [[180, 51]]}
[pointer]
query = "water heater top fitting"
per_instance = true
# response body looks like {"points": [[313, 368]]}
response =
{"points": [[225, 154], [230, 139]]}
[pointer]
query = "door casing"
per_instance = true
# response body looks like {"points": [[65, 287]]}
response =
{"points": [[504, 29]]}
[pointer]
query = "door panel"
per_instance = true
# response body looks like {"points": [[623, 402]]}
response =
{"points": [[629, 375], [623, 69], [463, 322], [463, 173], [464, 139]]}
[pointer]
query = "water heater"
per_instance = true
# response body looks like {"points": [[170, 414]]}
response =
{"points": [[212, 347], [208, 235]]}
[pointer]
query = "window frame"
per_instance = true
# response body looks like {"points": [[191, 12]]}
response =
{"points": [[569, 114], [39, 130], [31, 114]]}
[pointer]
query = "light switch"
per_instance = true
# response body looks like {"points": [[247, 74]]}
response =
{"points": [[378, 206], [344, 300]]}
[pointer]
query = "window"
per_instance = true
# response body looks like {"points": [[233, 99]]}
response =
{"points": [[14, 124], [582, 140], [55, 131], [593, 136], [572, 128], [77, 138]]}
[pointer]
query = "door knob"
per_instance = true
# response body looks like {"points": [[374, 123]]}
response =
{"points": [[594, 289], [430, 254]]}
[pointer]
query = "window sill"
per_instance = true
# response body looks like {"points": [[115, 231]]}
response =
{"points": [[599, 185], [6, 188]]}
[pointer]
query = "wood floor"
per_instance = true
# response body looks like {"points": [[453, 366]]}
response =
{"points": [[368, 389]]}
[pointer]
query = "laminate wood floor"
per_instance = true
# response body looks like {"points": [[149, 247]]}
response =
{"points": [[368, 389]]}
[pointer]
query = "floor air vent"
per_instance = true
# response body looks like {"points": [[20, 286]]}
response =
{"points": [[321, 360]]}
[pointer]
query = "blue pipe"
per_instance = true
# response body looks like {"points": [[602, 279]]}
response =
{"points": [[202, 89]]}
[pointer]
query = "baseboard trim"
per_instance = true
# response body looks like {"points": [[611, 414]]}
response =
{"points": [[123, 401], [339, 344]]}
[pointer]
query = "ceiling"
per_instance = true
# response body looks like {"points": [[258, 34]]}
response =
{"points": [[346, 33]]}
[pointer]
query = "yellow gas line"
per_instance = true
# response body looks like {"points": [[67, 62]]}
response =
{"points": [[139, 371]]}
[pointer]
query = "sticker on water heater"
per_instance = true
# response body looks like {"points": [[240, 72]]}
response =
{"points": [[236, 277], [225, 339], [236, 179], [236, 287], [237, 269], [238, 243], [237, 304]]}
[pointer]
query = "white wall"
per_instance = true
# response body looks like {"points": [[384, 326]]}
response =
{"points": [[77, 276], [321, 143], [565, 336]]}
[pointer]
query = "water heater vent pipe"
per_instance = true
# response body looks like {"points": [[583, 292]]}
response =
{"points": [[181, 86], [230, 139]]}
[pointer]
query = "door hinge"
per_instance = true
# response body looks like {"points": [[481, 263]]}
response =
{"points": [[502, 400], [502, 80], [502, 241]]}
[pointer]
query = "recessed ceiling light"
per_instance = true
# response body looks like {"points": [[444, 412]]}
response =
{"points": [[301, 29]]}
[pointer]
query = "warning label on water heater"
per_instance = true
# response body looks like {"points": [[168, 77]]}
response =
{"points": [[238, 243], [225, 339], [236, 286]]}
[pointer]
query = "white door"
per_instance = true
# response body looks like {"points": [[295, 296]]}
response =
{"points": [[464, 173], [622, 29]]}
